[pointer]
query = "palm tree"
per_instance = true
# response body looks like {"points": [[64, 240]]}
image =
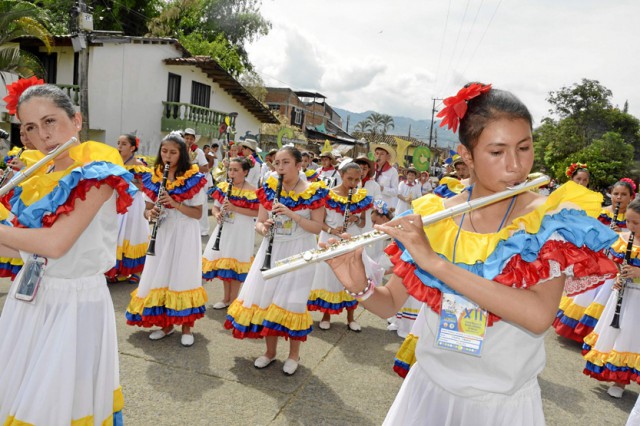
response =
{"points": [[19, 18], [386, 123], [361, 127], [374, 121]]}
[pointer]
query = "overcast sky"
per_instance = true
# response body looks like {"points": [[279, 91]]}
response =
{"points": [[394, 56]]}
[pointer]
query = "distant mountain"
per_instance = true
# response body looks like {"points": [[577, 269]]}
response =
{"points": [[419, 128]]}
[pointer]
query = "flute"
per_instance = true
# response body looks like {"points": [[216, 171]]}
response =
{"points": [[615, 321], [151, 250], [347, 212], [266, 265], [345, 246], [6, 172], [216, 243], [26, 173]]}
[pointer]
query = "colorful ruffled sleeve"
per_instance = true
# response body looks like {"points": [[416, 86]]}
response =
{"points": [[244, 198], [311, 198], [360, 202], [312, 175], [559, 237], [448, 187], [181, 189], [606, 217], [619, 250], [9, 266]]}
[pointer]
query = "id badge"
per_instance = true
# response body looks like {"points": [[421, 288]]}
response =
{"points": [[462, 325], [229, 217], [284, 225], [30, 279]]}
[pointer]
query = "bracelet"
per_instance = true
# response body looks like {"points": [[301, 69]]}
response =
{"points": [[330, 230], [366, 293]]}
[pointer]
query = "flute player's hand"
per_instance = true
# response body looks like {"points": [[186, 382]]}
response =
{"points": [[348, 267]]}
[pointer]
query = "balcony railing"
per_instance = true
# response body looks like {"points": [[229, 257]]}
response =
{"points": [[73, 91], [178, 116]]}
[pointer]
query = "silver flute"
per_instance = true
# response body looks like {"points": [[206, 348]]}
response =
{"points": [[26, 173], [310, 257]]}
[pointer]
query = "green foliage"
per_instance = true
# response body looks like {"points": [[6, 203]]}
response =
{"points": [[607, 158], [219, 49], [588, 129], [254, 84], [19, 18]]}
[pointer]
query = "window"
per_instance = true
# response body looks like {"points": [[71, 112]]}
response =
{"points": [[200, 94], [173, 89], [297, 116], [274, 107]]}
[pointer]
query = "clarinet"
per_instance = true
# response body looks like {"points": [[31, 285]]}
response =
{"points": [[272, 231], [347, 211], [6, 172], [615, 322], [151, 251], [216, 244], [614, 221]]}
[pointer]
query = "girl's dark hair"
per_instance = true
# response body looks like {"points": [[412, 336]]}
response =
{"points": [[626, 185], [184, 161], [635, 205], [293, 151], [575, 172], [132, 140], [57, 96], [486, 108], [350, 166], [244, 163]]}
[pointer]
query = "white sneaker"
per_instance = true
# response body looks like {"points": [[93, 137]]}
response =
{"points": [[187, 340], [393, 327], [290, 367], [354, 326], [324, 325], [263, 361], [220, 305], [615, 391], [160, 334]]}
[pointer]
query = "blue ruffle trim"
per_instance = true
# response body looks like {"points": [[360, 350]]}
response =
{"points": [[118, 420], [363, 204], [622, 224], [31, 216], [444, 191], [187, 186], [255, 329], [161, 311], [232, 197], [573, 225], [633, 262], [597, 369], [224, 274], [588, 321], [322, 305]]}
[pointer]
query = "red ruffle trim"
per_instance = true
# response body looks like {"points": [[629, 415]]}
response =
{"points": [[400, 371], [166, 321], [266, 203], [187, 195], [123, 200], [607, 375], [6, 199], [517, 273], [356, 211], [264, 332], [242, 202], [565, 331]]}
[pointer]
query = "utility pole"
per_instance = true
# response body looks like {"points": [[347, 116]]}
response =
{"points": [[83, 25], [433, 111]]}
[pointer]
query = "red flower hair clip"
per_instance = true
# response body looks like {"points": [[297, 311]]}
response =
{"points": [[571, 170], [456, 106], [137, 142], [632, 184], [16, 89]]}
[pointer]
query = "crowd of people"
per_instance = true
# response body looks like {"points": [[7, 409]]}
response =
{"points": [[472, 294]]}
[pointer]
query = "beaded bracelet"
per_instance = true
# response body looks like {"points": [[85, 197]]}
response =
{"points": [[363, 295]]}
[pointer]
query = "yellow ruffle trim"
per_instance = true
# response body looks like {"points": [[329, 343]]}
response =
{"points": [[355, 198], [138, 168], [594, 310], [621, 216], [329, 297], [472, 247], [4, 213], [226, 264], [620, 246], [311, 190], [132, 251], [574, 311], [15, 261], [565, 301], [275, 314], [176, 300], [118, 405], [619, 359], [156, 177], [248, 194], [454, 185], [31, 156], [41, 184], [407, 351]]}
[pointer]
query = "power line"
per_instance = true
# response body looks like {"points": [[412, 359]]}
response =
{"points": [[466, 42], [444, 33], [455, 46], [482, 38]]}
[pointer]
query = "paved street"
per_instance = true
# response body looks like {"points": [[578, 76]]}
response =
{"points": [[344, 377]]}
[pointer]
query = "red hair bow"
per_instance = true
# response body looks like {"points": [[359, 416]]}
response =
{"points": [[456, 106], [16, 89]]}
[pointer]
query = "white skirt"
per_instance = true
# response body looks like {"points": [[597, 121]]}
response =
{"points": [[59, 355], [406, 316], [421, 402]]}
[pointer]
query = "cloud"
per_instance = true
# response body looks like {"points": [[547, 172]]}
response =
{"points": [[351, 77], [301, 66]]}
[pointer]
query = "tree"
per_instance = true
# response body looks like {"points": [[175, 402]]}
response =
{"points": [[575, 100], [362, 127], [254, 85], [386, 124], [374, 123], [19, 18]]}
